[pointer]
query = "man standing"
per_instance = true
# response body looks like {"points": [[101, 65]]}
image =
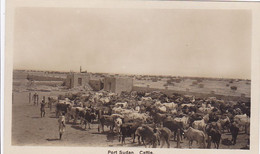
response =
{"points": [[35, 98], [50, 103], [29, 98], [43, 108], [61, 124]]}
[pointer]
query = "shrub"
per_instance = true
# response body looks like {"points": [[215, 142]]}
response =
{"points": [[227, 85], [201, 85], [194, 82], [177, 80], [233, 88], [199, 80], [154, 79], [169, 81]]}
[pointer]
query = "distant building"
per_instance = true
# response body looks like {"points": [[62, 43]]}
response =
{"points": [[118, 84], [77, 80]]}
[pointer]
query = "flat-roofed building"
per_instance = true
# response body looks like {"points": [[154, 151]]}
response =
{"points": [[118, 84], [77, 80]]}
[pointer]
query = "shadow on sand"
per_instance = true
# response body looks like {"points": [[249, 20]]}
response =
{"points": [[52, 117], [36, 117], [70, 122], [54, 139], [104, 133], [77, 127]]}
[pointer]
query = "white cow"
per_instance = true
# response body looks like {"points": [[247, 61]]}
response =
{"points": [[171, 106], [243, 121], [201, 124], [123, 105]]}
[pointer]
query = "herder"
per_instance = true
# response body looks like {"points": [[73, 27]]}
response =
{"points": [[43, 108], [61, 124], [35, 99]]}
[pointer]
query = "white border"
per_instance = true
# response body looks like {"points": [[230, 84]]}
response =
{"points": [[2, 71], [255, 97]]}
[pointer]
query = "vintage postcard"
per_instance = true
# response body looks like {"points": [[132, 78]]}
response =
{"points": [[125, 77]]}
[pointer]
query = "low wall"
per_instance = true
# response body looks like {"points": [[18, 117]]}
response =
{"points": [[44, 78], [198, 95], [48, 83]]}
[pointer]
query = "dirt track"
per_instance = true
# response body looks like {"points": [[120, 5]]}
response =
{"points": [[28, 128]]}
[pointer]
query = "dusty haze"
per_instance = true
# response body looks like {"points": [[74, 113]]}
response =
{"points": [[208, 43]]}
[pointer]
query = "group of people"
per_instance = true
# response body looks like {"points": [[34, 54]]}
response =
{"points": [[35, 98], [61, 120]]}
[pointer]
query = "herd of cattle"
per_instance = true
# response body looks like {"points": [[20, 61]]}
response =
{"points": [[155, 117]]}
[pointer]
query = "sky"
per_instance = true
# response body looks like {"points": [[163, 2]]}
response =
{"points": [[201, 43]]}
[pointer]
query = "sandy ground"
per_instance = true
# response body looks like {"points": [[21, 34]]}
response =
{"points": [[28, 128], [219, 87]]}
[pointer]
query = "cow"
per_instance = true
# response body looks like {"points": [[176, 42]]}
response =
{"points": [[205, 110], [158, 117], [107, 120], [89, 117], [201, 124], [162, 109], [185, 120], [134, 116], [243, 121], [72, 113], [148, 136], [195, 116], [224, 123], [51, 101], [187, 105], [81, 114], [122, 105], [213, 117], [173, 126], [197, 135], [164, 136], [215, 135], [171, 106], [61, 108], [128, 130], [234, 129]]}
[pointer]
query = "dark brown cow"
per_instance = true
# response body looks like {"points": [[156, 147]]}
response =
{"points": [[148, 135]]}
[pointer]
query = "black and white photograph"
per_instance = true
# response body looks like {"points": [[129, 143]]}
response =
{"points": [[132, 77]]}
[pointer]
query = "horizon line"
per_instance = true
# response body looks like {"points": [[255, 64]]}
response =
{"points": [[209, 77]]}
